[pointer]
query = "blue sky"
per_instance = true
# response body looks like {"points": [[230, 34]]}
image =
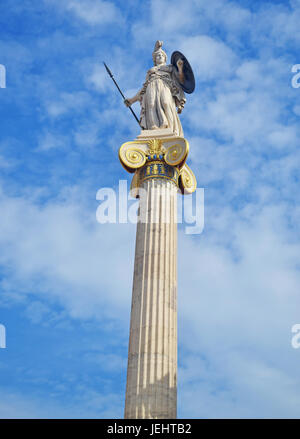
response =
{"points": [[65, 280]]}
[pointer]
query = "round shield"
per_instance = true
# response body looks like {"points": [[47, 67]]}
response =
{"points": [[189, 83]]}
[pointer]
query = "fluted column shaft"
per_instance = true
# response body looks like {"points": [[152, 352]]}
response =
{"points": [[151, 390]]}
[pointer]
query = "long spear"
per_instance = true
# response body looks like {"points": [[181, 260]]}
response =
{"points": [[111, 75]]}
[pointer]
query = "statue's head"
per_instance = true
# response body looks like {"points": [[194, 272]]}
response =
{"points": [[159, 56]]}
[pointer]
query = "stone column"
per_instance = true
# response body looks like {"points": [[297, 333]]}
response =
{"points": [[151, 390], [157, 159]]}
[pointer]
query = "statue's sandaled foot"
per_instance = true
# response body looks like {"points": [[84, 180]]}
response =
{"points": [[154, 127]]}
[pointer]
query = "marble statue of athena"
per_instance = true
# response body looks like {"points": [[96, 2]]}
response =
{"points": [[157, 160], [161, 94]]}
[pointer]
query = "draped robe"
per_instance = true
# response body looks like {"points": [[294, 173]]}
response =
{"points": [[159, 97]]}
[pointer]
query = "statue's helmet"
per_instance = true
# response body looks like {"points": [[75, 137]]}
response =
{"points": [[158, 49]]}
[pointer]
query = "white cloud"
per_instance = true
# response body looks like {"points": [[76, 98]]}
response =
{"points": [[284, 136], [68, 102], [49, 141], [235, 320], [36, 311], [99, 79], [94, 12], [86, 403], [211, 59], [63, 246]]}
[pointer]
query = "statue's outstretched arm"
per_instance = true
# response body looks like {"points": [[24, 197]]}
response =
{"points": [[129, 101], [138, 96]]}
